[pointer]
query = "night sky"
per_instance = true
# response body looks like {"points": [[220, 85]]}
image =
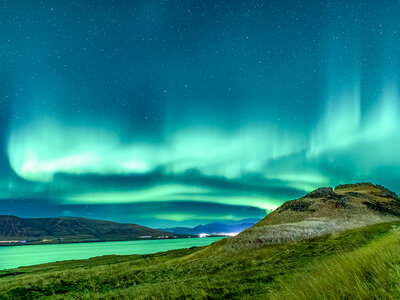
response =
{"points": [[184, 112]]}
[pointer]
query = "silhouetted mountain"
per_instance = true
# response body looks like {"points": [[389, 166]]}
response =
{"points": [[215, 228], [71, 230]]}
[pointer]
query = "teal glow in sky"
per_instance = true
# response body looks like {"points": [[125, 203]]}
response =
{"points": [[189, 112]]}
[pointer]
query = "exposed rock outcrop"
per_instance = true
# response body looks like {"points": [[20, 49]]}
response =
{"points": [[322, 211]]}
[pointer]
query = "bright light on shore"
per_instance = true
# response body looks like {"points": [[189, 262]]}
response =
{"points": [[220, 234], [230, 234]]}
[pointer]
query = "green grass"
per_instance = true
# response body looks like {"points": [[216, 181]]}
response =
{"points": [[287, 271], [371, 272]]}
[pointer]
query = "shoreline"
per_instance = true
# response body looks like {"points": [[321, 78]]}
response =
{"points": [[33, 243]]}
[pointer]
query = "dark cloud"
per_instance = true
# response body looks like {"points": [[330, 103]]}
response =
{"points": [[170, 213]]}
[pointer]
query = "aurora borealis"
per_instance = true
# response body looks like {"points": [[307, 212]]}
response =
{"points": [[185, 112]]}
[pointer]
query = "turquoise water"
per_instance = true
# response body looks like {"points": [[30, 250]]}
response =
{"points": [[17, 256]]}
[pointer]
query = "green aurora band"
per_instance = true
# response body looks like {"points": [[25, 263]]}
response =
{"points": [[181, 106]]}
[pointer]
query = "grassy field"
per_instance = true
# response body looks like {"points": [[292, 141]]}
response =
{"points": [[371, 272], [353, 264]]}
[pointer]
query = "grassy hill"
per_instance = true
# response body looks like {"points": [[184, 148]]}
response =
{"points": [[361, 262], [320, 212]]}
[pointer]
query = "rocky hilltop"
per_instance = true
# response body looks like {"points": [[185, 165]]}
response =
{"points": [[14, 230], [324, 210]]}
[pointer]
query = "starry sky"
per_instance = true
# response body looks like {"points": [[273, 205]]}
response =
{"points": [[169, 113]]}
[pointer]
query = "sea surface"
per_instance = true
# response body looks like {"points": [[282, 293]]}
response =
{"points": [[17, 256]]}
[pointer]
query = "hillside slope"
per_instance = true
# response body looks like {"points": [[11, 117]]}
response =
{"points": [[320, 212], [274, 271], [71, 229]]}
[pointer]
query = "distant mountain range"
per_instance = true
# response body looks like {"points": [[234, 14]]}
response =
{"points": [[215, 228], [14, 230]]}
